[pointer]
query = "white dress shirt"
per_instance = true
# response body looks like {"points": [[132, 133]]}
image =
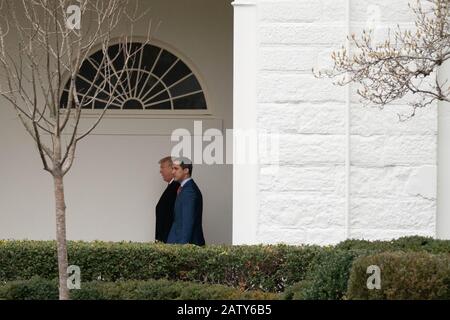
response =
{"points": [[185, 181]]}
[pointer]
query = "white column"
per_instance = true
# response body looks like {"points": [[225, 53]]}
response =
{"points": [[348, 133], [245, 176], [443, 197]]}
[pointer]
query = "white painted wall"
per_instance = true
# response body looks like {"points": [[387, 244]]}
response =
{"points": [[392, 190], [115, 183]]}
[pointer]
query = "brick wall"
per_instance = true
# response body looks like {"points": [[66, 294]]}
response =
{"points": [[302, 199]]}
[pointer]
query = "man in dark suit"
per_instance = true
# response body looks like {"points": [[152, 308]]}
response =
{"points": [[165, 206], [187, 223]]}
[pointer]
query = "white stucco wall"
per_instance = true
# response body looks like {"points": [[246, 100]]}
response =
{"points": [[391, 167], [115, 184]]}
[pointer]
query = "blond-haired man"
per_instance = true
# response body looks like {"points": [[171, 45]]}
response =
{"points": [[165, 206]]}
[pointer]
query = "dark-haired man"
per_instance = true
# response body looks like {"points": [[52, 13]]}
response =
{"points": [[187, 224]]}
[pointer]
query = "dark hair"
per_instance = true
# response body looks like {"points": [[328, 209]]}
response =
{"points": [[185, 163]]}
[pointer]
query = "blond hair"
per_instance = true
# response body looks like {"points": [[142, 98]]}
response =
{"points": [[166, 160]]}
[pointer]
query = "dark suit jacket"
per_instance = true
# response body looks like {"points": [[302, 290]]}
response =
{"points": [[164, 212], [187, 223]]}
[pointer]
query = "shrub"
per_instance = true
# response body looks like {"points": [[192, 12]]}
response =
{"points": [[296, 291], [412, 243], [411, 275], [306, 272], [328, 277], [331, 268], [42, 289], [267, 268], [34, 289]]}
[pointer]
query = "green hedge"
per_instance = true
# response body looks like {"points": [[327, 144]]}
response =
{"points": [[330, 270], [412, 243], [328, 277], [267, 268], [34, 289], [43, 289], [301, 272], [404, 275]]}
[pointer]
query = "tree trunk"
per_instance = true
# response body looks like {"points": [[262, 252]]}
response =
{"points": [[61, 236]]}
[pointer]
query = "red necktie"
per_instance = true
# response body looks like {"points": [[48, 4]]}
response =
{"points": [[179, 190]]}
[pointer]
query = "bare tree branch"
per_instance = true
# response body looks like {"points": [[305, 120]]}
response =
{"points": [[40, 61], [404, 65]]}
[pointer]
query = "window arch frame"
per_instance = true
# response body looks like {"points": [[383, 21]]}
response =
{"points": [[154, 113]]}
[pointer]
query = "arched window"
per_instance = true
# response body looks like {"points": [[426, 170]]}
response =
{"points": [[151, 79]]}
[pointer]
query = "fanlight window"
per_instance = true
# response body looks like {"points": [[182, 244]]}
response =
{"points": [[139, 77]]}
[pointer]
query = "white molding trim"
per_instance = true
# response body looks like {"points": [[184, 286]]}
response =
{"points": [[245, 176], [348, 133], [139, 126], [243, 3], [442, 218]]}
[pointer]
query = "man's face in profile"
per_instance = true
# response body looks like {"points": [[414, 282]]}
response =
{"points": [[165, 169], [179, 174]]}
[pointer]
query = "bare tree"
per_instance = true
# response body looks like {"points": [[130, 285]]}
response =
{"points": [[44, 64], [404, 65]]}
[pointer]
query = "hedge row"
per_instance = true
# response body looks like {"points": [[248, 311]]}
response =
{"points": [[42, 289], [328, 278], [403, 275], [267, 268], [331, 270], [306, 272], [412, 243]]}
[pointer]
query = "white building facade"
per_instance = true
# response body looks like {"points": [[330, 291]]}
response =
{"points": [[343, 171]]}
